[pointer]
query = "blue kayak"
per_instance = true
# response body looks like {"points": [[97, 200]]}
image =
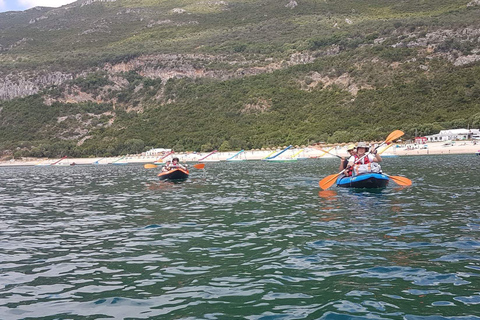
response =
{"points": [[365, 180]]}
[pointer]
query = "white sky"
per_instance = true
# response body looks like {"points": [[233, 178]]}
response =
{"points": [[17, 5], [43, 3]]}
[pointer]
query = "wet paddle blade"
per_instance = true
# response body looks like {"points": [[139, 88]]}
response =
{"points": [[328, 181], [150, 166], [402, 181], [199, 165]]}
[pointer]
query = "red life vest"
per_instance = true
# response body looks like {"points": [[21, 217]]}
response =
{"points": [[365, 160]]}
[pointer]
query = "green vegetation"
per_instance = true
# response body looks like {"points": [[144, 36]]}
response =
{"points": [[92, 82], [380, 66], [110, 32], [210, 114]]}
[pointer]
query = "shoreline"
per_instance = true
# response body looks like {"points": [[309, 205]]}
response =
{"points": [[436, 148]]}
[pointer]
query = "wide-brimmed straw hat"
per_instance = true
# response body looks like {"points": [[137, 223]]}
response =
{"points": [[363, 145], [350, 147]]}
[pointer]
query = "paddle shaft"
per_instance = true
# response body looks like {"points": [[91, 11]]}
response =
{"points": [[153, 166], [335, 155], [366, 154]]}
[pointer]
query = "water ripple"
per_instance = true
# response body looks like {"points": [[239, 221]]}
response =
{"points": [[251, 240]]}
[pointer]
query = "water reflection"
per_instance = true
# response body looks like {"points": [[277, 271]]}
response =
{"points": [[327, 194], [255, 240]]}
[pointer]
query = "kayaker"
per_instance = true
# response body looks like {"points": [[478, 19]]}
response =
{"points": [[362, 148], [344, 160], [166, 167], [176, 164], [363, 164]]}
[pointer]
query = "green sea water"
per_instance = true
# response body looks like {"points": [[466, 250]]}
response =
{"points": [[243, 240]]}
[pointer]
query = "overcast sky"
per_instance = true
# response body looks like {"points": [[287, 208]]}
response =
{"points": [[15, 5]]}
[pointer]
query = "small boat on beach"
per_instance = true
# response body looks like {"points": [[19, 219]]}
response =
{"points": [[365, 180], [174, 174], [65, 164]]}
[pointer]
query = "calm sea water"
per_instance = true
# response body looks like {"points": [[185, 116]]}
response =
{"points": [[247, 240]]}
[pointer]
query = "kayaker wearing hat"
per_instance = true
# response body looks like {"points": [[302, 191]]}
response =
{"points": [[344, 161], [362, 148]]}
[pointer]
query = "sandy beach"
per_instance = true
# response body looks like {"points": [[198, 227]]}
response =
{"points": [[314, 152]]}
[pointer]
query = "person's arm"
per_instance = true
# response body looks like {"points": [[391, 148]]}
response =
{"points": [[342, 164], [351, 161], [375, 156]]}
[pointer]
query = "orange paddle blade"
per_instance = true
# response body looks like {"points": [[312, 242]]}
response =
{"points": [[402, 181], [385, 149], [328, 181], [150, 166], [199, 165], [394, 136]]}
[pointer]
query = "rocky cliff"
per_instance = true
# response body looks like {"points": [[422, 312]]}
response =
{"points": [[91, 71]]}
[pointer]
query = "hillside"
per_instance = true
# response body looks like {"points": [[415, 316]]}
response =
{"points": [[106, 77]]}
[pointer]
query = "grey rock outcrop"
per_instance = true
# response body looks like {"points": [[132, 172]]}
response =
{"points": [[460, 61], [292, 4], [21, 85]]}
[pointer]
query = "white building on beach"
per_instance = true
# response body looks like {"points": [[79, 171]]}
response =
{"points": [[156, 152], [455, 134]]}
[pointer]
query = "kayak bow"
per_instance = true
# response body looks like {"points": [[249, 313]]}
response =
{"points": [[174, 174], [365, 180]]}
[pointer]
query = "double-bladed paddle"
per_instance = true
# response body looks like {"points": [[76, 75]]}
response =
{"points": [[328, 181], [402, 181], [153, 166]]}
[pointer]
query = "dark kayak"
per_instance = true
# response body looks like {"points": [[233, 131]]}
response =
{"points": [[365, 180], [174, 174]]}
